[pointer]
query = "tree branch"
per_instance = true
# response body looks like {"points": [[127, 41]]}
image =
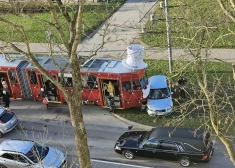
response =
{"points": [[58, 25], [228, 13]]}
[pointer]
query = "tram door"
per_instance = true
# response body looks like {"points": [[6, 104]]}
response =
{"points": [[47, 85], [14, 84], [105, 92]]}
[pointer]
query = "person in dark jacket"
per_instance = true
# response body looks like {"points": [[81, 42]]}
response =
{"points": [[6, 99], [52, 89], [181, 83], [42, 93]]}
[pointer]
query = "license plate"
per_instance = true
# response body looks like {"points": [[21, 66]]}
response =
{"points": [[161, 113]]}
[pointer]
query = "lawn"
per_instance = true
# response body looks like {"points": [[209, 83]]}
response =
{"points": [[221, 70], [191, 115], [36, 30], [191, 20]]}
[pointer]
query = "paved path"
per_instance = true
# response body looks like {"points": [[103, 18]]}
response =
{"points": [[123, 29]]}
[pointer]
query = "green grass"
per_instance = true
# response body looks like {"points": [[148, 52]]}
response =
{"points": [[191, 116], [134, 114], [35, 30], [186, 68], [188, 20]]}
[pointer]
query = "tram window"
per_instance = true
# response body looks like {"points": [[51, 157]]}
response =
{"points": [[12, 76], [84, 81], [92, 82], [136, 85], [33, 77], [126, 86], [68, 82]]}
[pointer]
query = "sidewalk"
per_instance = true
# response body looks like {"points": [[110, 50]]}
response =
{"points": [[123, 29]]}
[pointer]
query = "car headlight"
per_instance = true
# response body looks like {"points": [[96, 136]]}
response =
{"points": [[150, 109], [169, 109], [117, 148]]}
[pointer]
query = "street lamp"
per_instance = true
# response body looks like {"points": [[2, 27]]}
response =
{"points": [[168, 36]]}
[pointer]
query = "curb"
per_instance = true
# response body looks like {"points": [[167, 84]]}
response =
{"points": [[138, 126], [132, 123]]}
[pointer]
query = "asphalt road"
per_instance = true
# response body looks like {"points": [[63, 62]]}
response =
{"points": [[53, 127]]}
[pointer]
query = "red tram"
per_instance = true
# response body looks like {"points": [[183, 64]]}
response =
{"points": [[127, 78]]}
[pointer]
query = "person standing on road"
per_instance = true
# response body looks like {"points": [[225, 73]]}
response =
{"points": [[6, 99], [44, 96], [4, 85], [52, 89]]}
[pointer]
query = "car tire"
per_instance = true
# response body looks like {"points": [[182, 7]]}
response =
{"points": [[2, 166], [128, 154], [185, 161]]}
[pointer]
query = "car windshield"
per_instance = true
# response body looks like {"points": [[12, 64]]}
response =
{"points": [[143, 82], [37, 153], [144, 138], [158, 93]]}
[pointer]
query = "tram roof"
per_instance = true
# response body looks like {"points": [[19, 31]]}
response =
{"points": [[10, 63], [106, 65], [94, 64]]}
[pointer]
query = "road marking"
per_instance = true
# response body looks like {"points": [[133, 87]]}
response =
{"points": [[102, 161]]}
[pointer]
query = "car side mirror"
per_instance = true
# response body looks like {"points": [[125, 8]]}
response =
{"points": [[171, 93]]}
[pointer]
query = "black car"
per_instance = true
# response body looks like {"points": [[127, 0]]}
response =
{"points": [[184, 144]]}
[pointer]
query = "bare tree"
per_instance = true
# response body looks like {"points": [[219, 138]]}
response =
{"points": [[209, 96], [70, 41], [209, 92]]}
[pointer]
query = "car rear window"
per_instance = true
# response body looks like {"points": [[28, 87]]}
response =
{"points": [[6, 116]]}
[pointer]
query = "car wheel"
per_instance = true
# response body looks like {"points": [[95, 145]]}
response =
{"points": [[185, 161], [1, 166], [128, 154]]}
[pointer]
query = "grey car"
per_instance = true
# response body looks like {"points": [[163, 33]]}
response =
{"points": [[8, 121], [25, 153]]}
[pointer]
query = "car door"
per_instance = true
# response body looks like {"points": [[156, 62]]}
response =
{"points": [[151, 149], [11, 160], [169, 150], [8, 160]]}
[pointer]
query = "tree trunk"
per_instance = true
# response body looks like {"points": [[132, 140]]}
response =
{"points": [[75, 105], [80, 134]]}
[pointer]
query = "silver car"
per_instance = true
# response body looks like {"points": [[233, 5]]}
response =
{"points": [[24, 153], [159, 100], [8, 121]]}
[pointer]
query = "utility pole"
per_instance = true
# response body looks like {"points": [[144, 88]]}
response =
{"points": [[168, 36]]}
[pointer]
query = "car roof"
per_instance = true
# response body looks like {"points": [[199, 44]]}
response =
{"points": [[184, 135], [19, 146], [157, 82]]}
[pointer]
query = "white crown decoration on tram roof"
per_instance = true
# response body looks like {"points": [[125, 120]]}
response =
{"points": [[134, 58]]}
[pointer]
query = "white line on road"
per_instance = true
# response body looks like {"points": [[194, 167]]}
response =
{"points": [[102, 161]]}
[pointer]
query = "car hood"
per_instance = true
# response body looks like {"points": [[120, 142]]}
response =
{"points": [[159, 104], [54, 158], [130, 139]]}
